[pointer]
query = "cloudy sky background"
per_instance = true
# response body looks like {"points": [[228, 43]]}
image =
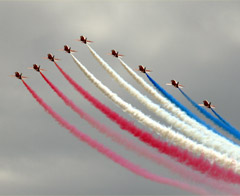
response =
{"points": [[194, 42]]}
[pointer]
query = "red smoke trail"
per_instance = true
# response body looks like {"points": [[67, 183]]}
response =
{"points": [[108, 152], [70, 103], [184, 171], [175, 167], [183, 156]]}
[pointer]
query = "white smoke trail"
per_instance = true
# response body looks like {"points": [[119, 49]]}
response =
{"points": [[167, 133], [175, 110], [162, 100], [127, 143], [205, 137]]}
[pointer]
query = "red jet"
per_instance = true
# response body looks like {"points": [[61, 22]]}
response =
{"points": [[51, 57], [143, 69], [36, 68], [175, 84], [115, 53], [207, 104], [67, 49], [83, 39], [18, 75]]}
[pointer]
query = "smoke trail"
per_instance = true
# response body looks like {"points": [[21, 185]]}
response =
{"points": [[173, 100], [110, 133], [164, 102], [176, 168], [167, 133], [220, 118], [205, 138], [218, 122], [177, 103], [109, 153], [182, 156], [189, 118]]}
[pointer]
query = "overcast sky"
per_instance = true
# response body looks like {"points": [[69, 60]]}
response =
{"points": [[194, 42]]}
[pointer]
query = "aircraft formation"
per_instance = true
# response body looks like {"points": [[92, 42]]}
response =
{"points": [[147, 120], [114, 53]]}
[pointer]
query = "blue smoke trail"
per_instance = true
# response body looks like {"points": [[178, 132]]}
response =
{"points": [[177, 103], [221, 118], [208, 115], [183, 108]]}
